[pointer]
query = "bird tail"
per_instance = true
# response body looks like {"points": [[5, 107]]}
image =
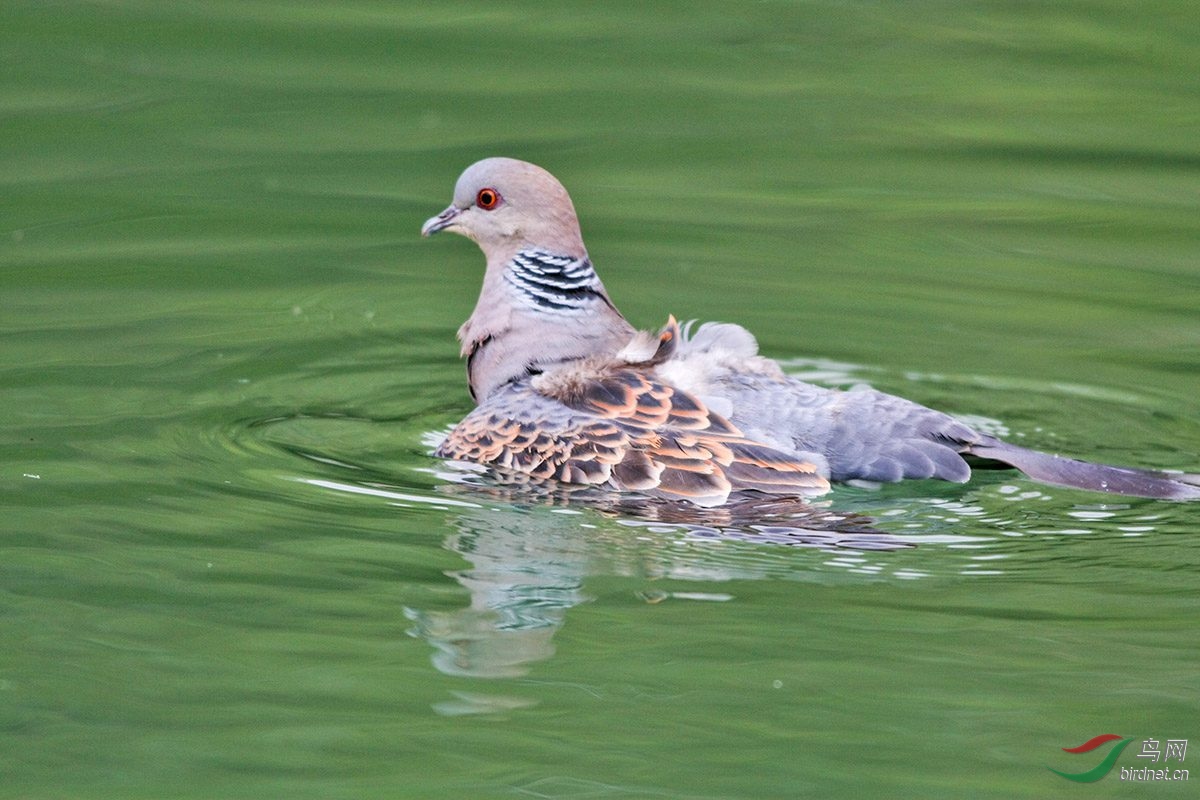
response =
{"points": [[1059, 471]]}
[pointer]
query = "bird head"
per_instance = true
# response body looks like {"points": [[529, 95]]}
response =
{"points": [[504, 205]]}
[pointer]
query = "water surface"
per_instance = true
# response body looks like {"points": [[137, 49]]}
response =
{"points": [[231, 569]]}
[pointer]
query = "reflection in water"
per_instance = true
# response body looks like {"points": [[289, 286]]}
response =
{"points": [[530, 553], [747, 516], [528, 564], [526, 571]]}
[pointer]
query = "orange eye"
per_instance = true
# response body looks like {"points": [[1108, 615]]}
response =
{"points": [[487, 199]]}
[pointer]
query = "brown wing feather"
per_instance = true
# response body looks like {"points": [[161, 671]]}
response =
{"points": [[623, 428], [703, 456], [581, 451]]}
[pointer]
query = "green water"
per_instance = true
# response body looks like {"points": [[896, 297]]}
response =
{"points": [[230, 569]]}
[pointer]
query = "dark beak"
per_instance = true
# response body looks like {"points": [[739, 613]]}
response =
{"points": [[441, 221]]}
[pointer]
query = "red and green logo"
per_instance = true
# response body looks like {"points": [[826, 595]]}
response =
{"points": [[1104, 767]]}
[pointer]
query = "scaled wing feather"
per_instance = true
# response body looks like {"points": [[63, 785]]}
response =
{"points": [[623, 428]]}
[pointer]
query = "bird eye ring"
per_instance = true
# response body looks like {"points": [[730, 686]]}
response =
{"points": [[487, 199]]}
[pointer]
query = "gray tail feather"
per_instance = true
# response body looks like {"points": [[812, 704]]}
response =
{"points": [[1059, 471]]}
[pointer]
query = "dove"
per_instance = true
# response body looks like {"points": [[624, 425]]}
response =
{"points": [[568, 391]]}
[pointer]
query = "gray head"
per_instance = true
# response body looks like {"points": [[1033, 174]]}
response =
{"points": [[505, 205], [541, 302]]}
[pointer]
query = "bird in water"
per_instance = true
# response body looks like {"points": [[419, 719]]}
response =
{"points": [[568, 391]]}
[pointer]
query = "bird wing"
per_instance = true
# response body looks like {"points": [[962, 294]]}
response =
{"points": [[857, 434], [860, 434], [623, 428], [866, 434]]}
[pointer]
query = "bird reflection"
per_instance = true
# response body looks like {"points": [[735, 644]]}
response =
{"points": [[529, 556], [523, 576]]}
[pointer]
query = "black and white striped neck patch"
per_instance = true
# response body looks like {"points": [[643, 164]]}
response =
{"points": [[553, 283]]}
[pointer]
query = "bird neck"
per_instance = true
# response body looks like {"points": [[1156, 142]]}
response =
{"points": [[537, 309]]}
